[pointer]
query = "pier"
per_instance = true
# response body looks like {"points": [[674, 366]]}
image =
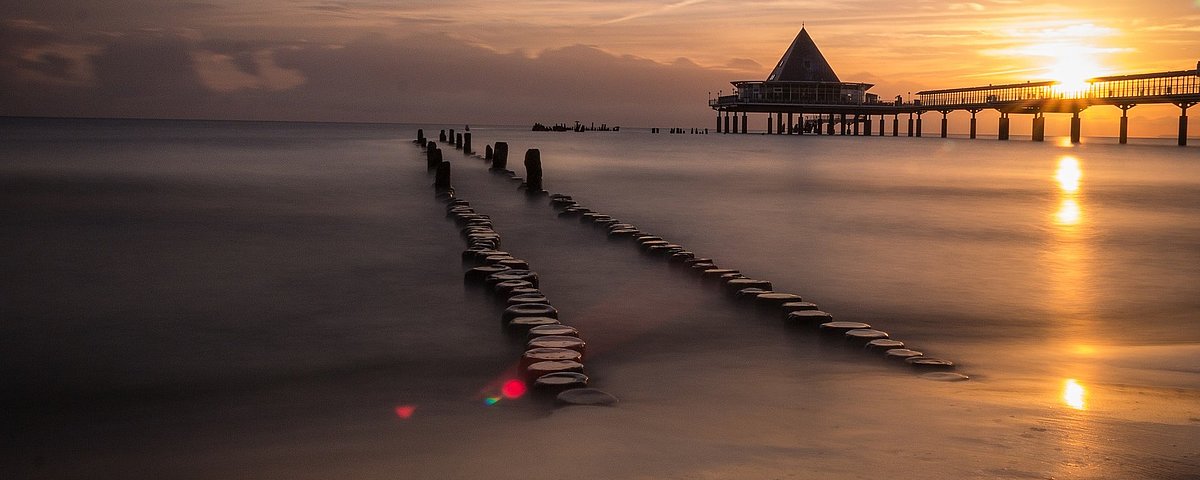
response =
{"points": [[803, 95]]}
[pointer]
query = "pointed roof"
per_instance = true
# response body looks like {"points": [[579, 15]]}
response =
{"points": [[803, 62]]}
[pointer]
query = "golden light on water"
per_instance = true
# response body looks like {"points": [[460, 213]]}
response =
{"points": [[1068, 212], [1068, 174], [1074, 394]]}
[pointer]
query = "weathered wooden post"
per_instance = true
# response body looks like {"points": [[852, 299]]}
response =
{"points": [[467, 143], [441, 179], [458, 142], [533, 171], [433, 156], [487, 152], [500, 157], [442, 136], [450, 137], [420, 137]]}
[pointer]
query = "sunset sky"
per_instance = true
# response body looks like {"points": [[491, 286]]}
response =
{"points": [[472, 61]]}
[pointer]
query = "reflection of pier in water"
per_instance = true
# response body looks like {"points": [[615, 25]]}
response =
{"points": [[804, 85]]}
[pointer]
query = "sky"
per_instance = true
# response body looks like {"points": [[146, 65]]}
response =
{"points": [[636, 63]]}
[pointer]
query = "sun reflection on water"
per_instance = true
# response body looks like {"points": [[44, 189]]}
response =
{"points": [[1068, 174], [1073, 394]]}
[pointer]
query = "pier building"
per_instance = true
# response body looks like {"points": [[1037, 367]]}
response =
{"points": [[803, 95]]}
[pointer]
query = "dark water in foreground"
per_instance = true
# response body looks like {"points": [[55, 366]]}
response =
{"points": [[250, 300]]}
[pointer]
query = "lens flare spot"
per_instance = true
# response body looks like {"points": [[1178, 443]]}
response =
{"points": [[1073, 394], [489, 401], [405, 411], [513, 389]]}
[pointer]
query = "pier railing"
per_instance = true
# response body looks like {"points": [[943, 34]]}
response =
{"points": [[1161, 87]]}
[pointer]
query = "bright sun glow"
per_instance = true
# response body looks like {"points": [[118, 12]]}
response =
{"points": [[1073, 394], [1073, 66]]}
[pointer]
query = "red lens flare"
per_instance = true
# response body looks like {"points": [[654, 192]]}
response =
{"points": [[513, 389], [405, 411]]}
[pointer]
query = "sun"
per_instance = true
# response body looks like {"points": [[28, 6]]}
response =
{"points": [[1073, 66]]}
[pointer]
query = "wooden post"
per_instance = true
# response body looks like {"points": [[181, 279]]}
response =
{"points": [[442, 136], [500, 157], [533, 171], [1039, 128], [458, 142], [770, 124], [487, 152], [896, 125], [421, 137], [441, 180], [450, 137], [910, 124], [744, 123], [467, 143], [1002, 133], [919, 123], [881, 125], [791, 125], [973, 123], [433, 156], [718, 121], [945, 123]]}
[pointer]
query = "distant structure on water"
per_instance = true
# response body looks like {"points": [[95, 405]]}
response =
{"points": [[803, 85]]}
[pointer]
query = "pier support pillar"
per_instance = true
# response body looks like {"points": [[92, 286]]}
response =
{"points": [[1039, 128], [1002, 131], [467, 143], [726, 122], [1183, 121], [910, 124], [779, 123], [1124, 137], [791, 125], [919, 123], [842, 118], [881, 125], [829, 127], [770, 124], [867, 126], [973, 122], [744, 123], [896, 125], [718, 122], [1075, 127], [820, 124], [945, 123], [857, 124]]}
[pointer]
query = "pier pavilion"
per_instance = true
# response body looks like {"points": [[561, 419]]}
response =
{"points": [[803, 85]]}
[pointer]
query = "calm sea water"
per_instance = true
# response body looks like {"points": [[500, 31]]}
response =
{"points": [[249, 300]]}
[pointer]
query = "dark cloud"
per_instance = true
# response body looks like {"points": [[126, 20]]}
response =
{"points": [[50, 64], [147, 66], [376, 78]]}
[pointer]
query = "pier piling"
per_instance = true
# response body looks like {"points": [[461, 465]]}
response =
{"points": [[533, 171], [433, 156], [441, 180], [466, 148], [1002, 129], [500, 156], [442, 136], [1075, 127], [1039, 127]]}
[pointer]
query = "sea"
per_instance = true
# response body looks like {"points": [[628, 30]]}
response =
{"points": [[249, 300]]}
